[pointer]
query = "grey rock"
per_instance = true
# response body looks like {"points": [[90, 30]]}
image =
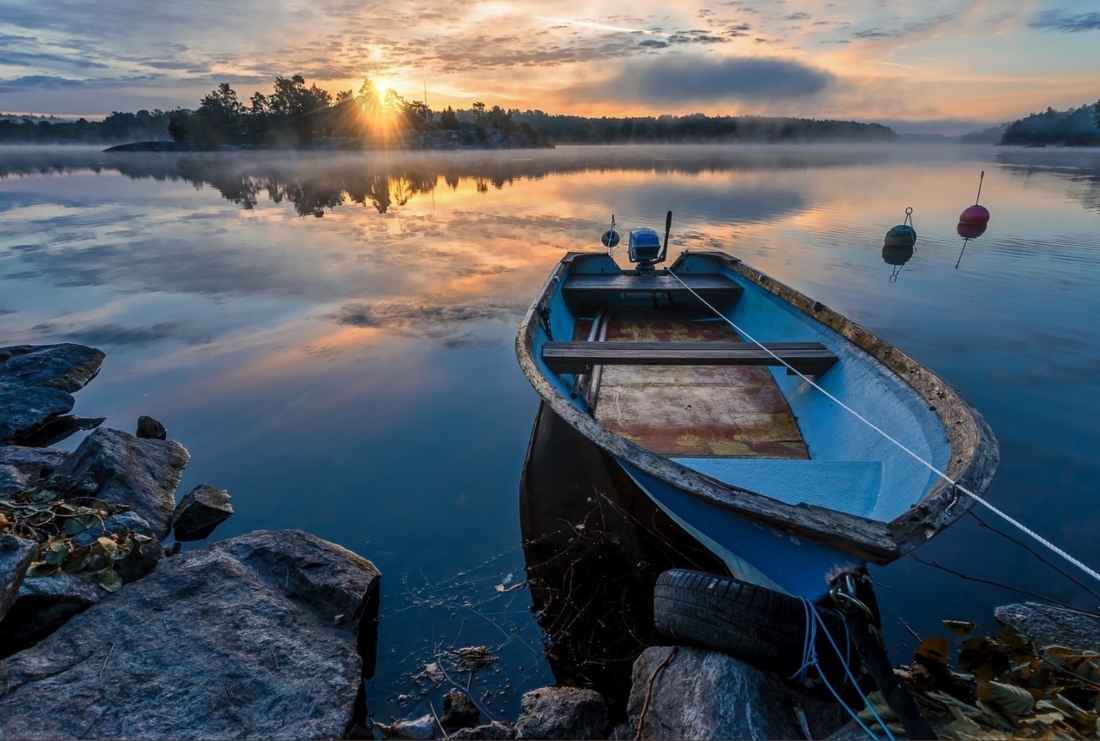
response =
{"points": [[562, 712], [850, 731], [119, 469], [150, 429], [233, 640], [44, 604], [704, 695], [65, 367], [56, 429], [23, 410], [33, 463], [458, 710], [16, 555], [497, 730], [36, 385], [1047, 624], [200, 511], [138, 562]]}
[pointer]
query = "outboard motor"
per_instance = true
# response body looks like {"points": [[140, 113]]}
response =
{"points": [[645, 248]]}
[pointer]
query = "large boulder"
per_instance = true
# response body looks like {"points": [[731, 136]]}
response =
{"points": [[36, 386], [1047, 624], [16, 555], [21, 468], [562, 712], [702, 694], [251, 637], [119, 469]]}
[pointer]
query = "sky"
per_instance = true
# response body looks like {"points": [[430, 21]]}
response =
{"points": [[920, 66]]}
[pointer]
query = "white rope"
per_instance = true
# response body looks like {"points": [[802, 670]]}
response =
{"points": [[958, 487]]}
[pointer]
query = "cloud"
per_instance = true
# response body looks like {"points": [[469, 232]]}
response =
{"points": [[117, 335], [53, 82], [682, 79], [1053, 19], [424, 317]]}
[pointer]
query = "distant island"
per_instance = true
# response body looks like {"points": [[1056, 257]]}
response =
{"points": [[1072, 127], [295, 115]]}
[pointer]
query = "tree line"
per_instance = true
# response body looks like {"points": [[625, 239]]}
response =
{"points": [[1073, 126], [117, 127]]}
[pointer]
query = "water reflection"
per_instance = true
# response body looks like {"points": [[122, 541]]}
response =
{"points": [[594, 545]]}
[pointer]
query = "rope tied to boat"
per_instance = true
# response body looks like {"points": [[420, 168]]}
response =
{"points": [[811, 659], [957, 488]]}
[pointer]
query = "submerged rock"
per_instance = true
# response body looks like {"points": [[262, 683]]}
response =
{"points": [[238, 638], [459, 710], [36, 386], [150, 429], [119, 469], [200, 511], [497, 730], [702, 694], [1048, 624], [16, 555], [561, 713]]}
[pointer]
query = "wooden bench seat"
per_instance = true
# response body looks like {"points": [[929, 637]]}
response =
{"points": [[709, 284], [811, 358]]}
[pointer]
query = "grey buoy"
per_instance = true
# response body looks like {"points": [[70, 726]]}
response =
{"points": [[903, 235]]}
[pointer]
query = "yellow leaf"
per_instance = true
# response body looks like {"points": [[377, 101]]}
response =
{"points": [[1016, 700], [959, 627]]}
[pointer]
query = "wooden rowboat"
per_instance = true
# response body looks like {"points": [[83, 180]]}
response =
{"points": [[729, 437]]}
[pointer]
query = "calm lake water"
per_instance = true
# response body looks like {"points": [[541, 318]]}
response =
{"points": [[354, 375]]}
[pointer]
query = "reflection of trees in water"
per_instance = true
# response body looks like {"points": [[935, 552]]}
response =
{"points": [[1083, 170]]}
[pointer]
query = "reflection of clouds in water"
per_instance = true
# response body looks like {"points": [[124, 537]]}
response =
{"points": [[424, 318]]}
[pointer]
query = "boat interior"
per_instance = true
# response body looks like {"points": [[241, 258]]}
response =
{"points": [[650, 361]]}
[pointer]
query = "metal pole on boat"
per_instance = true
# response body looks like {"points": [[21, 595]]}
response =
{"points": [[668, 228]]}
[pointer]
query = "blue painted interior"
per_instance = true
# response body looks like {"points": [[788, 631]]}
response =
{"points": [[846, 486], [830, 432]]}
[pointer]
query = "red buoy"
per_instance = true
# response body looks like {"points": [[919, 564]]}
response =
{"points": [[974, 215]]}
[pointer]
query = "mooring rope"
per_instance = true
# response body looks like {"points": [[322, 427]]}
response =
{"points": [[811, 659], [955, 485]]}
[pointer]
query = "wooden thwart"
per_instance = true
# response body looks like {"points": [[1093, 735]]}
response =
{"points": [[811, 358], [709, 284]]}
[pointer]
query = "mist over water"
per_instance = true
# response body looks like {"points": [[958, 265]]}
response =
{"points": [[353, 373]]}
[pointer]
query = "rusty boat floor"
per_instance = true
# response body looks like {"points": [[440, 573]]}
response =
{"points": [[693, 411]]}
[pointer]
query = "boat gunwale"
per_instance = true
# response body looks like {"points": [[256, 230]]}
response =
{"points": [[974, 449]]}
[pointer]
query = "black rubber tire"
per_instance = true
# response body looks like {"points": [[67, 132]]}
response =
{"points": [[757, 625]]}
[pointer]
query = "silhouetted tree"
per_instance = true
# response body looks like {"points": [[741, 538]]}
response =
{"points": [[448, 119]]}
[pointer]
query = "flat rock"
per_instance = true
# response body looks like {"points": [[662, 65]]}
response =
{"points": [[24, 410], [459, 710], [36, 386], [200, 511], [562, 713], [16, 555], [56, 429], [43, 605], [1047, 624], [150, 429], [65, 367], [706, 695], [238, 639], [120, 469]]}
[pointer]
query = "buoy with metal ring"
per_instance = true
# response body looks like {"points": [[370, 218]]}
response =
{"points": [[903, 235], [610, 238]]}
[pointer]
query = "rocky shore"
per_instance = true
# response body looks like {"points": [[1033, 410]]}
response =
{"points": [[108, 630]]}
